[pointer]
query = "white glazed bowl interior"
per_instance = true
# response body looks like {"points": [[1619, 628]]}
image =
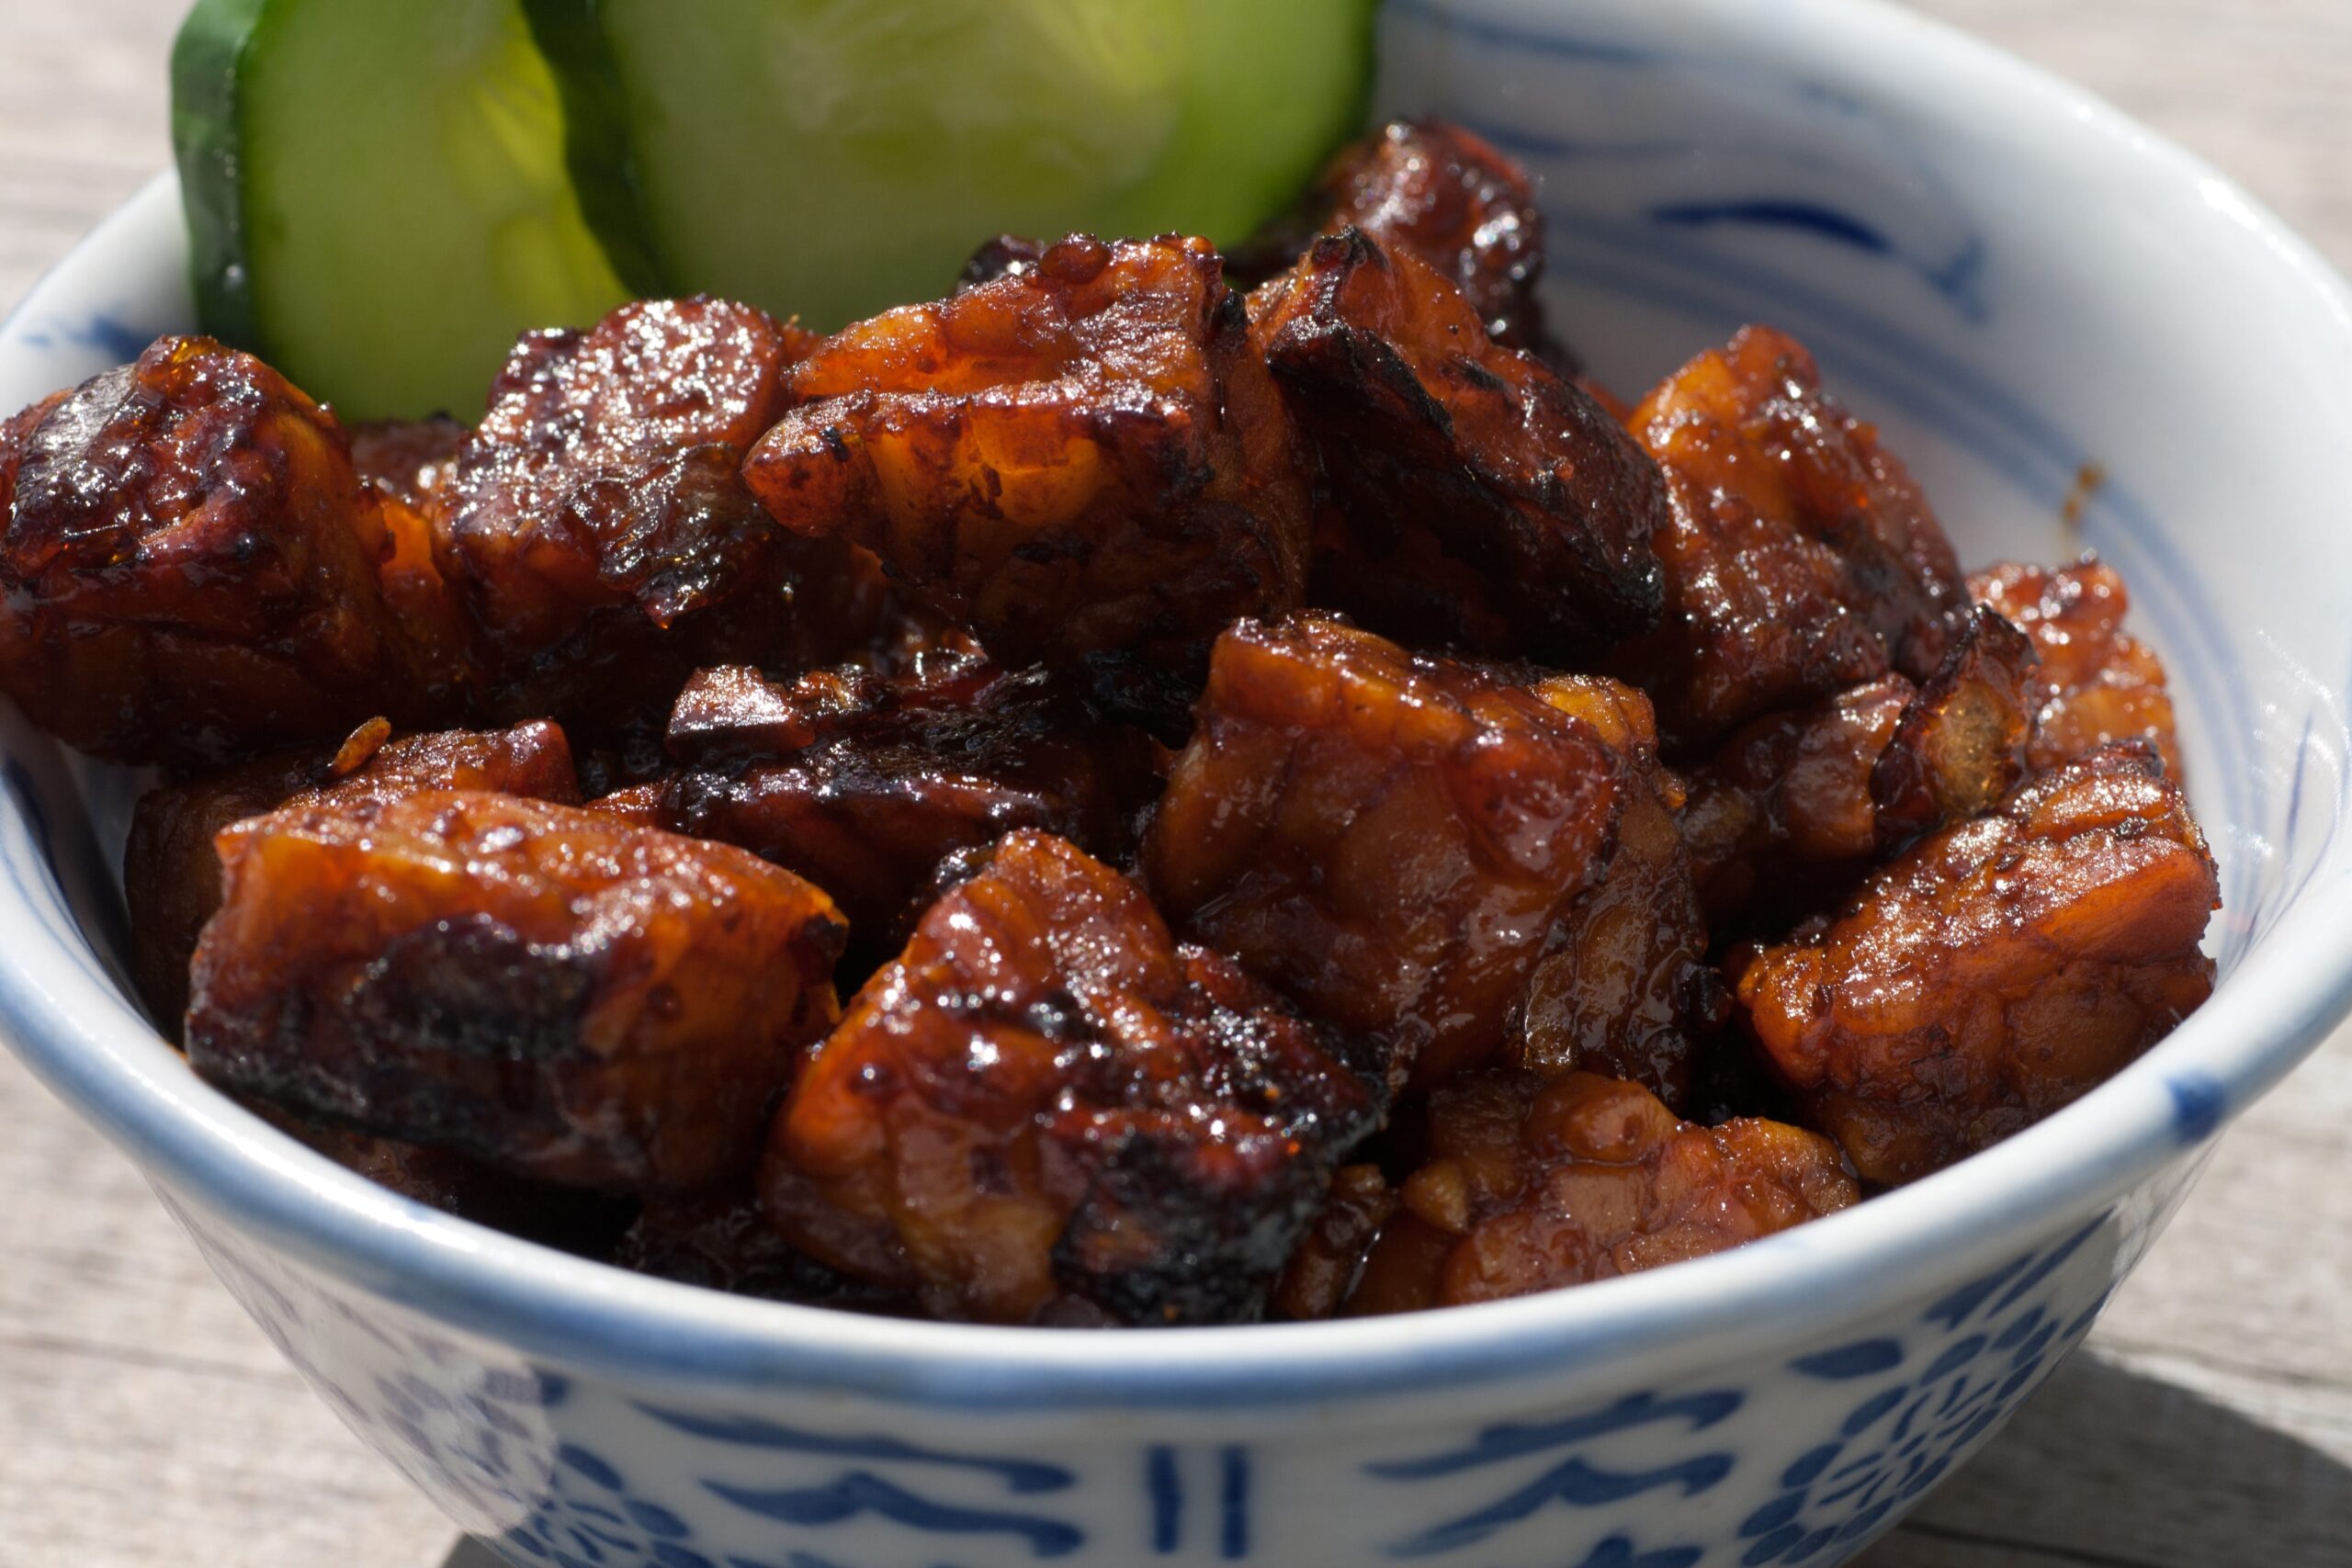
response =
{"points": [[2021, 287]]}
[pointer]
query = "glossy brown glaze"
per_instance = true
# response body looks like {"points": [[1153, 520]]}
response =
{"points": [[1324, 1267], [545, 988], [1046, 1110], [187, 573], [1996, 971], [15, 432], [1480, 502], [1449, 197], [598, 527], [1534, 1184], [170, 874], [407, 466], [1801, 559], [637, 804], [409, 460], [1960, 747], [1780, 820], [1386, 838], [2097, 682], [1623, 987], [865, 783], [1084, 462]]}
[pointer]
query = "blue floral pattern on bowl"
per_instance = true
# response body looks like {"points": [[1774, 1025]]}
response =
{"points": [[550, 1473]]}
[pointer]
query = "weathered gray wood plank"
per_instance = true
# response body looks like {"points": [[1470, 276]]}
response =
{"points": [[143, 1420]]}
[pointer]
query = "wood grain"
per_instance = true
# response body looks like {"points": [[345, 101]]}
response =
{"points": [[143, 1420]]}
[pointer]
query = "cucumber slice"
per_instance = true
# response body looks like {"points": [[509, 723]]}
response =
{"points": [[829, 158], [377, 193]]}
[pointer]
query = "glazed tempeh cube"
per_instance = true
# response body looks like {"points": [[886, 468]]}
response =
{"points": [[549, 989], [171, 873], [190, 563], [1801, 559], [1387, 838], [1046, 1110], [597, 526], [1481, 501], [1084, 461], [1534, 1184], [1996, 971]]}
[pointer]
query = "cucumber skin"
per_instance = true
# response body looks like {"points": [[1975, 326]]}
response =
{"points": [[601, 153], [597, 147], [205, 61]]}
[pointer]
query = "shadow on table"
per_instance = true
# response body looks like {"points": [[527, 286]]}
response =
{"points": [[2106, 1468]]}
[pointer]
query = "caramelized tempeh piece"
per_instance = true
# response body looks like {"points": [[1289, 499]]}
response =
{"points": [[1624, 987], [1960, 747], [1996, 971], [1450, 197], [1324, 1267], [597, 524], [1780, 820], [1046, 1110], [546, 988], [408, 464], [1533, 1185], [170, 874], [1084, 461], [1387, 838], [1801, 559], [864, 783], [2096, 683], [409, 461], [190, 565], [15, 432], [1482, 502]]}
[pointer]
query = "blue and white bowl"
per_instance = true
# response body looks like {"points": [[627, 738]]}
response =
{"points": [[2029, 292]]}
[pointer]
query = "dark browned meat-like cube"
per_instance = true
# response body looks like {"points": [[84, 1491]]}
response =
{"points": [[1046, 1110], [1084, 461], [2097, 682], [15, 431], [1328, 1257], [1387, 838], [1780, 820], [546, 988], [190, 565], [864, 783], [408, 466], [1533, 1185], [1801, 559], [1996, 971], [1481, 501], [598, 527], [1960, 747], [170, 874], [1624, 987], [1449, 197]]}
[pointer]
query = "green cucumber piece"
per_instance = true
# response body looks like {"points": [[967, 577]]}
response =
{"points": [[829, 158], [377, 193]]}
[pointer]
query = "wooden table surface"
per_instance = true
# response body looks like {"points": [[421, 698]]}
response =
{"points": [[145, 1421]]}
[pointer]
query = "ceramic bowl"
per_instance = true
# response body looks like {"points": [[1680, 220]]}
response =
{"points": [[2077, 335]]}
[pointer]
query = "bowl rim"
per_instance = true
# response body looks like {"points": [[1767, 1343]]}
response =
{"points": [[93, 1050]]}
